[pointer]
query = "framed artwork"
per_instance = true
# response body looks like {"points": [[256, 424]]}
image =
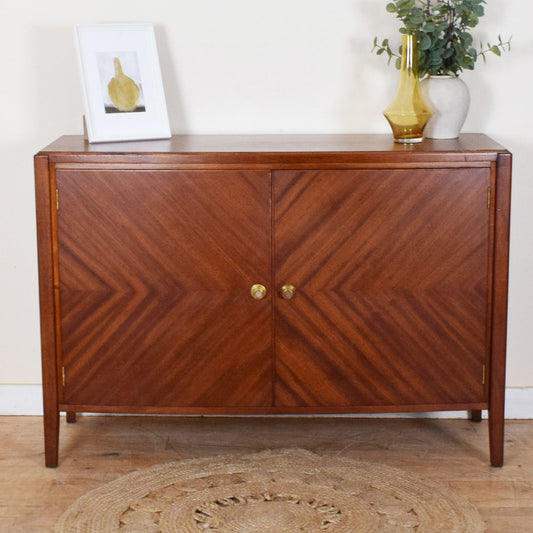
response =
{"points": [[121, 80]]}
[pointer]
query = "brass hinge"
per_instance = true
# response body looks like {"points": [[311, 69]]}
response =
{"points": [[63, 375], [484, 374], [489, 190], [57, 199]]}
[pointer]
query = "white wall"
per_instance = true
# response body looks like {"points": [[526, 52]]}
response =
{"points": [[241, 66]]}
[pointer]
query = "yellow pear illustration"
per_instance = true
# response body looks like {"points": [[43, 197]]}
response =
{"points": [[124, 92]]}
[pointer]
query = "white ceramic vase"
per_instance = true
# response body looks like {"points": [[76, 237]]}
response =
{"points": [[450, 99]]}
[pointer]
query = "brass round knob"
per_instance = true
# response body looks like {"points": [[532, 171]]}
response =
{"points": [[258, 291], [287, 291]]}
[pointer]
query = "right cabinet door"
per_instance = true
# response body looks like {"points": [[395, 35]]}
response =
{"points": [[392, 270]]}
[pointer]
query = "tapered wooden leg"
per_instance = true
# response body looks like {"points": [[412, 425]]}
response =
{"points": [[496, 436], [51, 439], [499, 312], [71, 417], [49, 298], [476, 415]]}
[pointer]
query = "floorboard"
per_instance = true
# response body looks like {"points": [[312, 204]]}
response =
{"points": [[97, 449]]}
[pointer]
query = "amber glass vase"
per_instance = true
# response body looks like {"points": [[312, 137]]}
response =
{"points": [[408, 113]]}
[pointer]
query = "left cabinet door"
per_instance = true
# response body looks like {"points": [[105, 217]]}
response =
{"points": [[155, 270]]}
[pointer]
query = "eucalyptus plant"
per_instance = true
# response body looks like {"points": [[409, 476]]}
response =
{"points": [[442, 29]]}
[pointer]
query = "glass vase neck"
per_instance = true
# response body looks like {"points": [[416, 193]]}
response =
{"points": [[409, 55]]}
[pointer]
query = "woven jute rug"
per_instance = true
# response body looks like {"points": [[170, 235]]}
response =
{"points": [[282, 491]]}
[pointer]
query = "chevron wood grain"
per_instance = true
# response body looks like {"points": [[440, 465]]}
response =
{"points": [[392, 274], [155, 272]]}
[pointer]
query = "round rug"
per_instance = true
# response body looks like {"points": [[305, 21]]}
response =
{"points": [[281, 491]]}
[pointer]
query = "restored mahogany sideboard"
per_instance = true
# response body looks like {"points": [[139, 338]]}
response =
{"points": [[273, 274]]}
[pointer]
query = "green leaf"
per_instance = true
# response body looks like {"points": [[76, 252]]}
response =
{"points": [[391, 8], [495, 50], [447, 53], [425, 42], [417, 16], [406, 4]]}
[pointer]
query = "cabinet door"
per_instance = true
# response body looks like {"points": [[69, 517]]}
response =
{"points": [[155, 271], [391, 269]]}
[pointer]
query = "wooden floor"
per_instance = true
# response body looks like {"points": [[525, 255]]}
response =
{"points": [[98, 449]]}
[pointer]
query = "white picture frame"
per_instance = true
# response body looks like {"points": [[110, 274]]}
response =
{"points": [[121, 80]]}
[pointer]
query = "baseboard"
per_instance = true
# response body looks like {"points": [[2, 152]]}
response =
{"points": [[21, 400], [27, 400], [519, 402]]}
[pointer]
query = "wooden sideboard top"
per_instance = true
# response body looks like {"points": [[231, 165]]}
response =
{"points": [[271, 144]]}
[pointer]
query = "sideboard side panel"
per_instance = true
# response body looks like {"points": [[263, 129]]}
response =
{"points": [[499, 314], [45, 246]]}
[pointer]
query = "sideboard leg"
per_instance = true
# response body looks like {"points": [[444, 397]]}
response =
{"points": [[499, 313], [476, 415], [49, 300], [496, 438], [51, 439], [71, 417]]}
